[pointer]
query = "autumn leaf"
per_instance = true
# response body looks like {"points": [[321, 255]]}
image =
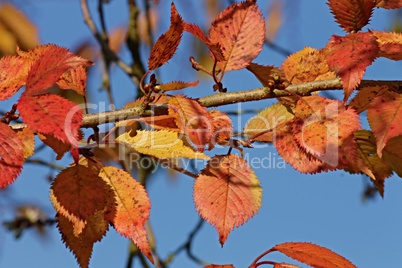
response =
{"points": [[390, 44], [326, 130], [313, 255], [162, 144], [75, 79], [366, 95], [52, 114], [81, 245], [349, 56], [193, 119], [306, 65], [222, 129], [27, 138], [176, 85], [298, 158], [274, 19], [167, 43], [132, 207], [240, 32], [385, 117], [369, 162], [227, 193], [389, 4], [80, 191], [352, 15], [13, 74], [214, 48], [219, 266], [59, 147], [392, 154], [267, 75], [11, 155], [264, 125], [50, 62]]}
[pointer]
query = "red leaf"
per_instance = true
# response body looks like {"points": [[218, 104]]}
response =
{"points": [[75, 79], [352, 15], [51, 114], [214, 48], [132, 207], [176, 85], [349, 56], [50, 63], [13, 74], [11, 155], [385, 118], [389, 4], [227, 193], [240, 32], [167, 43], [313, 255]]}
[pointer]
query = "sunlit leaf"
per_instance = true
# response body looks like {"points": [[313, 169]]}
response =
{"points": [[13, 74], [75, 79], [162, 144], [390, 44], [366, 95], [349, 56], [227, 193], [389, 4], [313, 255], [222, 129], [27, 138], [132, 207]]}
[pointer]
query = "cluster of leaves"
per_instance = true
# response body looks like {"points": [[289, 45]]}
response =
{"points": [[311, 133]]}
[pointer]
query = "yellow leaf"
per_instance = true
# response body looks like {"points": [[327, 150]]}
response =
{"points": [[161, 144]]}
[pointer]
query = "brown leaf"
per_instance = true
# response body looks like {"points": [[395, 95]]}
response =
{"points": [[222, 129], [167, 43], [349, 56], [352, 15], [313, 255], [176, 85], [392, 154], [267, 75], [366, 95], [240, 32], [227, 193]]}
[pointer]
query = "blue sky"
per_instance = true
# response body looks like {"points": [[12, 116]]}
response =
{"points": [[325, 209]]}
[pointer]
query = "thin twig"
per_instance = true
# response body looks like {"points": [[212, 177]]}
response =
{"points": [[44, 163]]}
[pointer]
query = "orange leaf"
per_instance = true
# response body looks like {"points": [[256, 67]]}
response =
{"points": [[75, 79], [52, 114], [11, 155], [389, 4], [132, 207], [313, 255], [266, 123], [27, 138], [298, 158], [13, 74], [306, 65], [176, 85], [214, 48], [50, 62], [81, 245], [59, 147], [352, 15], [240, 32], [167, 43], [327, 129], [222, 129], [227, 193], [385, 118], [349, 56], [80, 191], [193, 119], [267, 75], [390, 44]]}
